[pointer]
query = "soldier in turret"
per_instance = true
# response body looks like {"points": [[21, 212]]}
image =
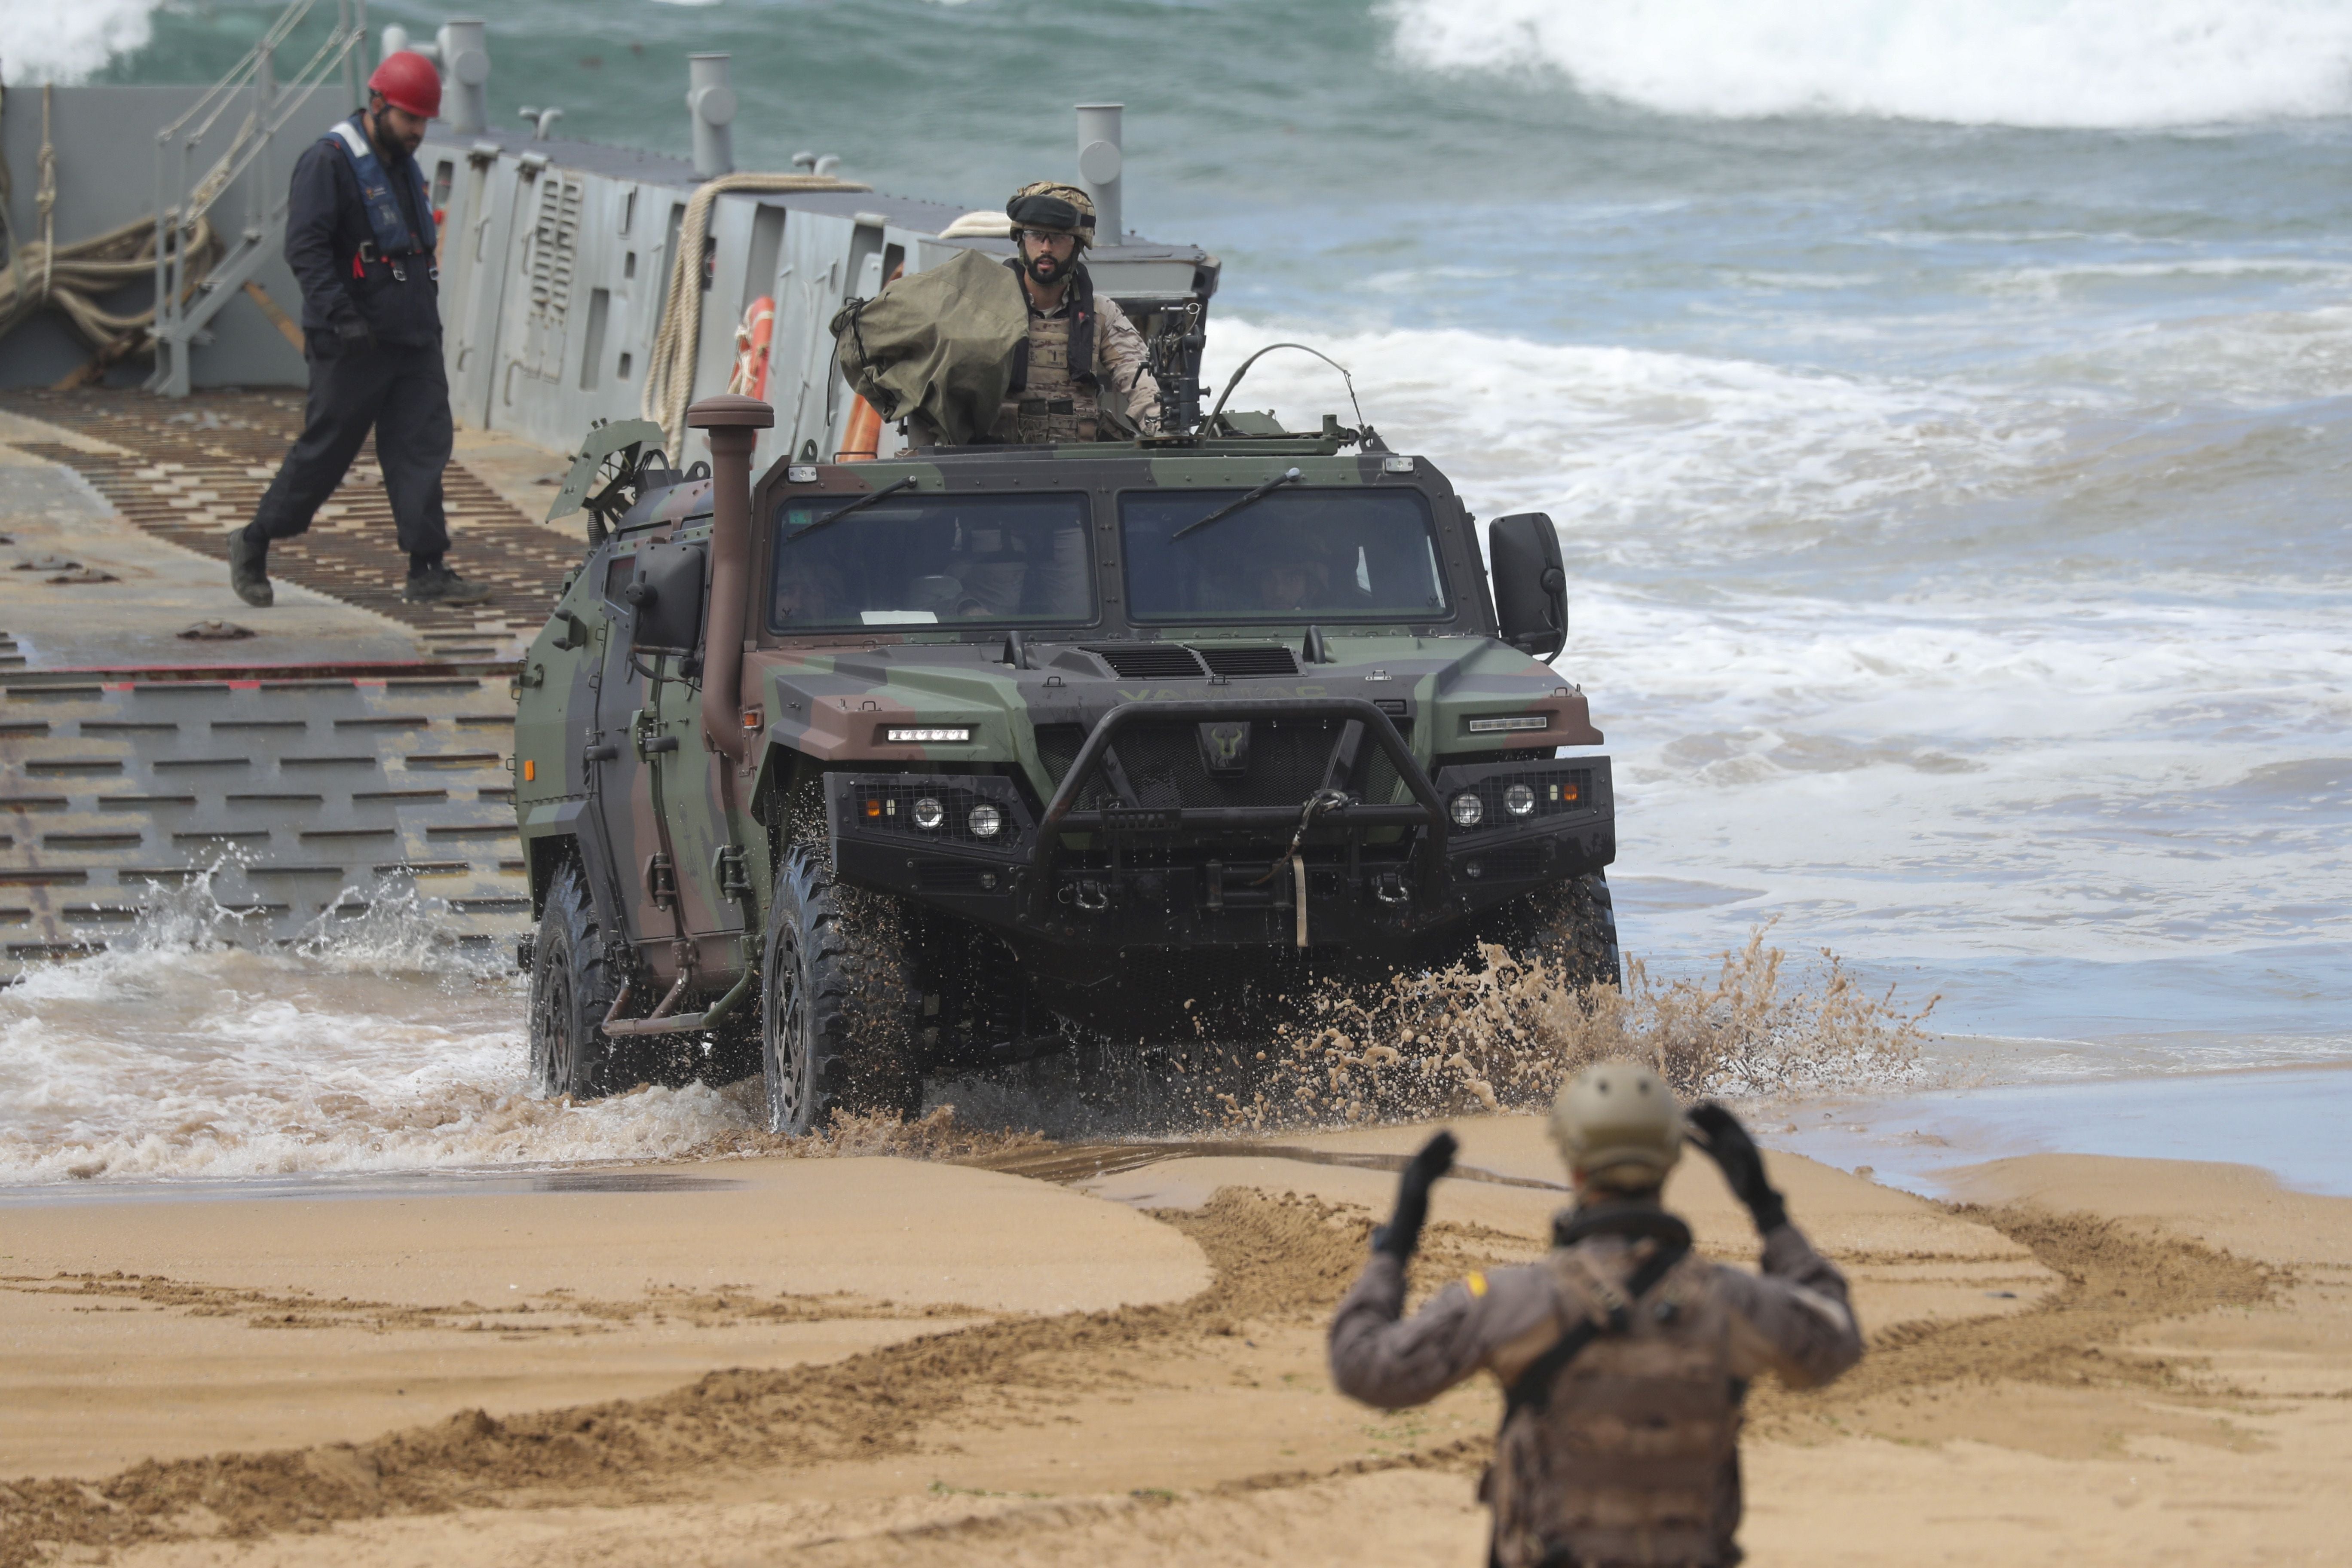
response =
{"points": [[1082, 375], [360, 239], [1624, 1358]]}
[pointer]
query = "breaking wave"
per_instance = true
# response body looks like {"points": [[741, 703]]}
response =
{"points": [[2054, 63], [67, 43]]}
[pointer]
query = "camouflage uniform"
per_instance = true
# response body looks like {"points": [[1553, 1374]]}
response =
{"points": [[1634, 1460], [1050, 406]]}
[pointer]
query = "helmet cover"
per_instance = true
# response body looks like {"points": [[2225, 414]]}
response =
{"points": [[1046, 206], [1618, 1120]]}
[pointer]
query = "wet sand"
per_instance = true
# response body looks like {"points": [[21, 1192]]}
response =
{"points": [[883, 1360]]}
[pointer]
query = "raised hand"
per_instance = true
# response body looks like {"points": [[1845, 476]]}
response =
{"points": [[1726, 1142], [1402, 1234]]}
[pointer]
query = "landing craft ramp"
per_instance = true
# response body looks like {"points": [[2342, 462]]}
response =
{"points": [[191, 471], [295, 798]]}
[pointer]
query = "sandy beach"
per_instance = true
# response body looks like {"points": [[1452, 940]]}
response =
{"points": [[1075, 1357]]}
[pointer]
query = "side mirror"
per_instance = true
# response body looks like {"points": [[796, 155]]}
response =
{"points": [[1530, 583], [666, 595]]}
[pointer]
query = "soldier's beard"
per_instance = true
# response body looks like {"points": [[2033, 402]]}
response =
{"points": [[1047, 269]]}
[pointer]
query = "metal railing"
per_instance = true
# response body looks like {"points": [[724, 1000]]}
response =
{"points": [[185, 306]]}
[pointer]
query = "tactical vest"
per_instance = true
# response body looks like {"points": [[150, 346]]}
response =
{"points": [[1634, 1456], [394, 240], [1054, 395]]}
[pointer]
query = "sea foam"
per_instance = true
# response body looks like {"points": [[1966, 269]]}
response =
{"points": [[66, 43], [2114, 63]]}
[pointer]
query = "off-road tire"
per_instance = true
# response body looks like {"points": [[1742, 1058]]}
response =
{"points": [[572, 989], [838, 1005], [1570, 926]]}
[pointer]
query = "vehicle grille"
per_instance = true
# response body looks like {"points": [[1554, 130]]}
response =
{"points": [[1382, 785], [1248, 661], [1163, 765], [1058, 748], [1151, 660], [1165, 769]]}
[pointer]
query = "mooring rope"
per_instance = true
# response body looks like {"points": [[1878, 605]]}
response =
{"points": [[669, 378], [72, 279]]}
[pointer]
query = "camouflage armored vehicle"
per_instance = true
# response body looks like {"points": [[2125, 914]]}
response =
{"points": [[870, 771]]}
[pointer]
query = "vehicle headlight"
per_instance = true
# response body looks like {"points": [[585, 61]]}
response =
{"points": [[985, 820], [1519, 800], [928, 814], [1468, 810]]}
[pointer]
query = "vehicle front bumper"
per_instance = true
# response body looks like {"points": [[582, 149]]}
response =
{"points": [[1377, 876]]}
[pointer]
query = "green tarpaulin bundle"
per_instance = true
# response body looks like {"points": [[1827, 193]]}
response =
{"points": [[936, 345]]}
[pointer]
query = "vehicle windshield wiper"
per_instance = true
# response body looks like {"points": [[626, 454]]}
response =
{"points": [[1230, 507], [837, 513]]}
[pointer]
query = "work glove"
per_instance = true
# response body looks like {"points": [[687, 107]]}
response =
{"points": [[1402, 1234], [355, 335], [1726, 1142]]}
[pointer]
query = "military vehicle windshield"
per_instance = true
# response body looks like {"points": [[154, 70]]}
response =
{"points": [[931, 561], [1348, 554]]}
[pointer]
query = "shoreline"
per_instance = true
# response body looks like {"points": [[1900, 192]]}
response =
{"points": [[2279, 1120]]}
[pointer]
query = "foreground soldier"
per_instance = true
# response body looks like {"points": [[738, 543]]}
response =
{"points": [[1624, 1359], [1083, 377], [360, 239]]}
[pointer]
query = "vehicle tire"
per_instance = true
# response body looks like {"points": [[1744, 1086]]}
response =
{"points": [[1571, 927], [837, 1002], [572, 988]]}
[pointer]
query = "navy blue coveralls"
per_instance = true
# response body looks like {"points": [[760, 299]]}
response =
{"points": [[389, 378]]}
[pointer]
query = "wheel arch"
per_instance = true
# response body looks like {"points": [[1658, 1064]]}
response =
{"points": [[569, 840]]}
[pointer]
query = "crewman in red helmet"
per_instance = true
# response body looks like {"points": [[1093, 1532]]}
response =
{"points": [[360, 239]]}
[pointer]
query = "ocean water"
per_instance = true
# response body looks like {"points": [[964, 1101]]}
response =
{"points": [[1947, 412]]}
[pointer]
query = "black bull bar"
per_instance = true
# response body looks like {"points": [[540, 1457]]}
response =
{"points": [[1427, 810]]}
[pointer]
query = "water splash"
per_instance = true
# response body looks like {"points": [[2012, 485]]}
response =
{"points": [[1494, 1033]]}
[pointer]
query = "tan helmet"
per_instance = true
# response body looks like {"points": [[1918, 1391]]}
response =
{"points": [[1049, 206], [1620, 1124]]}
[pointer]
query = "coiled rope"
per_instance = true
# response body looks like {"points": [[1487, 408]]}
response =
{"points": [[72, 279], [669, 378]]}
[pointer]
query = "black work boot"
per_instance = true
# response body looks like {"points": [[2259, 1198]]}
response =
{"points": [[436, 585], [248, 571]]}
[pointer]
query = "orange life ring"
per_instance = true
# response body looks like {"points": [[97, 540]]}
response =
{"points": [[752, 340], [861, 438]]}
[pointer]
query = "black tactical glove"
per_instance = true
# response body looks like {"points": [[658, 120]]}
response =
{"points": [[355, 335], [1718, 1133], [1402, 1232]]}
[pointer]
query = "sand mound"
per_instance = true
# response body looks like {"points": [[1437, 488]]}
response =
{"points": [[1280, 1263]]}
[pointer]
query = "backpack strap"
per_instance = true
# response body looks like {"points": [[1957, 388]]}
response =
{"points": [[1082, 326], [1531, 1390]]}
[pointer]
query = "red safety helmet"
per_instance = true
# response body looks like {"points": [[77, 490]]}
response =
{"points": [[408, 81]]}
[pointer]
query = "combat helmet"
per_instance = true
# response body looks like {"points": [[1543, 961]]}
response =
{"points": [[1620, 1124], [1050, 207]]}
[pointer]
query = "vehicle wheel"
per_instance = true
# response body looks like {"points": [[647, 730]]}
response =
{"points": [[837, 1002], [1572, 926], [572, 988]]}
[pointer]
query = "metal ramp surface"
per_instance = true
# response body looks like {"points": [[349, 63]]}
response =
{"points": [[191, 471], [311, 794]]}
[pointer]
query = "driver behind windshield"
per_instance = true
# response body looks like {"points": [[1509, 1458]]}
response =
{"points": [[1294, 580]]}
